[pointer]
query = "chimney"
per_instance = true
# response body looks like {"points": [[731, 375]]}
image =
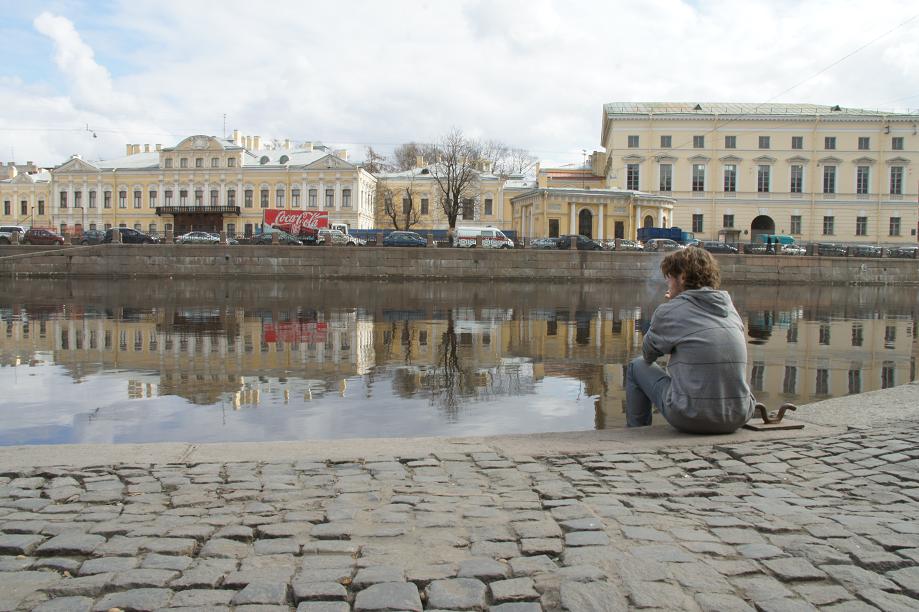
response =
{"points": [[146, 148], [159, 147], [308, 147], [136, 149], [287, 143], [248, 144], [236, 139], [342, 153], [419, 161], [127, 149], [257, 142]]}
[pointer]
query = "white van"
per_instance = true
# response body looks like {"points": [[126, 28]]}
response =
{"points": [[492, 238]]}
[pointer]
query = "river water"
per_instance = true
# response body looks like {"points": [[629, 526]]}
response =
{"points": [[228, 360]]}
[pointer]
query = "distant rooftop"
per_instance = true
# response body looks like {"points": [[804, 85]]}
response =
{"points": [[736, 108]]}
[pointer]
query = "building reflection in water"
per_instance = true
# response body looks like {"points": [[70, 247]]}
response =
{"points": [[245, 346]]}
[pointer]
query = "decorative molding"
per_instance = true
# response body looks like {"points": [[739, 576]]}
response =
{"points": [[829, 160], [765, 159], [798, 159], [864, 160], [730, 159], [633, 158], [700, 159], [899, 161], [665, 158]]}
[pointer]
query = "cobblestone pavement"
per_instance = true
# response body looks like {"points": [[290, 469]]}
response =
{"points": [[827, 523]]}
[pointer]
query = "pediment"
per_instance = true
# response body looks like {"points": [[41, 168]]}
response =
{"points": [[797, 159], [829, 160], [199, 143], [730, 159], [633, 159], [75, 165], [899, 161], [700, 159], [764, 159], [330, 162], [665, 158], [22, 179], [861, 161]]}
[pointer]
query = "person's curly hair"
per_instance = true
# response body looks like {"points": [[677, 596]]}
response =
{"points": [[697, 265]]}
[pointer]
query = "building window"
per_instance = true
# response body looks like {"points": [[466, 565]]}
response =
{"points": [[633, 142], [698, 223], [797, 142], [183, 162], [168, 162], [828, 223], [829, 179], [823, 382], [63, 200], [247, 198], [855, 381], [666, 142], [279, 198], [138, 227], [424, 206], [698, 175], [122, 199], [199, 197], [858, 334], [489, 207], [730, 178], [730, 142], [151, 229], [864, 143], [631, 177], [247, 229], [24, 208], [861, 226], [888, 378], [797, 179], [757, 375], [295, 198], [107, 199], [152, 199], [829, 142], [215, 162], [666, 182], [330, 198], [63, 231], [894, 226], [41, 207], [231, 162], [763, 142], [199, 162], [896, 143], [231, 231], [790, 382], [791, 336], [313, 195], [762, 179], [215, 197], [698, 142], [7, 207], [346, 198], [861, 179], [167, 197], [468, 209], [824, 334], [406, 206], [231, 197], [263, 198], [890, 335], [137, 199], [92, 199], [896, 180], [796, 224], [78, 199], [183, 197], [728, 221]]}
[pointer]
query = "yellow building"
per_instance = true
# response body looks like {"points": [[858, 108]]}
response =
{"points": [[818, 173], [202, 183]]}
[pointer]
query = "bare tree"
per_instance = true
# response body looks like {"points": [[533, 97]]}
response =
{"points": [[400, 202], [405, 156], [456, 172], [374, 163], [504, 161]]}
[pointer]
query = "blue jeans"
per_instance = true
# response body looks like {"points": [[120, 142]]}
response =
{"points": [[645, 384]]}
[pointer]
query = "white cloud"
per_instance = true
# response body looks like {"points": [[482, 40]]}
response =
{"points": [[534, 74]]}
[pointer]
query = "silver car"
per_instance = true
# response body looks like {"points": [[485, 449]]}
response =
{"points": [[198, 238]]}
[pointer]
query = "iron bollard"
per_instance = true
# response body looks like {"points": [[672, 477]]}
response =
{"points": [[274, 238]]}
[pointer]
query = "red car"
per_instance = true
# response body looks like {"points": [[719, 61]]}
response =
{"points": [[41, 236]]}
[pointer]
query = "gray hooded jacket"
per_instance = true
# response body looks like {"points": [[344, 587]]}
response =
{"points": [[704, 336]]}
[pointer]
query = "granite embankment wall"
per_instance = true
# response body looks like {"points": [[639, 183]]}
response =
{"points": [[190, 261]]}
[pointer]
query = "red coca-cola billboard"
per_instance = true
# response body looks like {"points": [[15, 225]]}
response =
{"points": [[291, 221]]}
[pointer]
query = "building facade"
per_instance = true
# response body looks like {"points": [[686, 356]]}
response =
{"points": [[818, 173], [202, 183]]}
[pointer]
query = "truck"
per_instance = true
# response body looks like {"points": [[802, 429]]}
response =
{"points": [[673, 233]]}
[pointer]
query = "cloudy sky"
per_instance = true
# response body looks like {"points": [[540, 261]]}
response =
{"points": [[531, 73]]}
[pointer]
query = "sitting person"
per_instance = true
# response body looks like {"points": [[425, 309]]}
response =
{"points": [[704, 388]]}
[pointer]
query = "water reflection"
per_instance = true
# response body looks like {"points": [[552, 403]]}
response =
{"points": [[231, 360]]}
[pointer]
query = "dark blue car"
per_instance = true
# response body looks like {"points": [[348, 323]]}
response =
{"points": [[404, 239]]}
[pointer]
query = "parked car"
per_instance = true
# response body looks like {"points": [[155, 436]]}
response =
{"points": [[198, 238], [129, 236], [716, 246], [662, 244], [755, 248], [92, 237], [582, 243], [864, 250], [829, 249], [7, 231], [907, 252], [41, 236], [334, 236], [283, 238], [405, 239], [626, 245], [793, 249], [544, 243]]}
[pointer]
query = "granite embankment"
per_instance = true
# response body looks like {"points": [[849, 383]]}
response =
{"points": [[197, 261]]}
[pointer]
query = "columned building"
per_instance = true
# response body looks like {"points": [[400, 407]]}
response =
{"points": [[818, 173], [203, 183]]}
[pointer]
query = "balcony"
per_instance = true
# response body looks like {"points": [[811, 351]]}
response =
{"points": [[197, 210]]}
